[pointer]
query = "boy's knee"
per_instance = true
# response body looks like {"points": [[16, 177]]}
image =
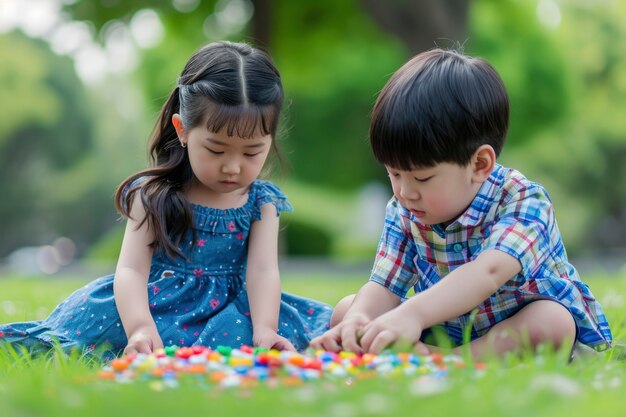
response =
{"points": [[550, 322], [340, 309]]}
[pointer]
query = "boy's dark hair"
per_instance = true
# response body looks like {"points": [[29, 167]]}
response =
{"points": [[439, 107], [224, 85]]}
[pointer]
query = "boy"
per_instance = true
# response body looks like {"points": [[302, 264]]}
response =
{"points": [[464, 232]]}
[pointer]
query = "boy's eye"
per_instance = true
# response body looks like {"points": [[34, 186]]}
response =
{"points": [[214, 152], [423, 179]]}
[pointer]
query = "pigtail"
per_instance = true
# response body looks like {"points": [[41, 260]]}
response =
{"points": [[168, 213]]}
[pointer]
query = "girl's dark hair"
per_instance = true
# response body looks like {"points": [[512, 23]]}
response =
{"points": [[224, 85], [439, 107]]}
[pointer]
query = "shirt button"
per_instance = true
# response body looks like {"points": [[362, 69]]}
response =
{"points": [[457, 247]]}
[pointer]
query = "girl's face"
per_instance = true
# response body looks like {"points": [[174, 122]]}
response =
{"points": [[439, 194], [224, 165]]}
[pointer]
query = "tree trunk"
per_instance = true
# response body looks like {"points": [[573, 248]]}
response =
{"points": [[261, 24], [422, 24]]}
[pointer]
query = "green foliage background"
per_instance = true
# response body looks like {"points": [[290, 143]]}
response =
{"points": [[64, 146]]}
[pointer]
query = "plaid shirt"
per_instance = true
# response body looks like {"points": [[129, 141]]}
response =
{"points": [[510, 214]]}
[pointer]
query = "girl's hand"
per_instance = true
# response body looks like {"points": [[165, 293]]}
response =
{"points": [[390, 328], [268, 338], [344, 336], [143, 340]]}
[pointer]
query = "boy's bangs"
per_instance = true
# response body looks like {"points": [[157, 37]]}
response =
{"points": [[403, 147], [245, 121]]}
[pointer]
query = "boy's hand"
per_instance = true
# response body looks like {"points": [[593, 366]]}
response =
{"points": [[268, 338], [143, 340], [343, 336], [390, 328]]}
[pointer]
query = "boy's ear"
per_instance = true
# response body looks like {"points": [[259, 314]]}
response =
{"points": [[178, 126], [483, 162]]}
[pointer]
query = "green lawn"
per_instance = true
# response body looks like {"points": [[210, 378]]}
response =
{"points": [[543, 385]]}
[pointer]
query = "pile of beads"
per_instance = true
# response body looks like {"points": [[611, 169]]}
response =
{"points": [[249, 366]]}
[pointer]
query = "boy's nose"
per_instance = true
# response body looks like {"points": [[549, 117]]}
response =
{"points": [[408, 193]]}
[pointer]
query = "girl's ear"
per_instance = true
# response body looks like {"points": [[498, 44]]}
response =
{"points": [[483, 162], [178, 126]]}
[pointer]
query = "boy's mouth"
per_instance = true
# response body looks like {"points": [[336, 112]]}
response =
{"points": [[418, 213]]}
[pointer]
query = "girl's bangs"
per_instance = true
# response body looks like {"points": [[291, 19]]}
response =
{"points": [[244, 121]]}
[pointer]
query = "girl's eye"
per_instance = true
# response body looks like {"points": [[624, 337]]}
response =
{"points": [[250, 155], [214, 152]]}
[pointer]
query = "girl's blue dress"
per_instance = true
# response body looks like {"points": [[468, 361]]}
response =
{"points": [[199, 301]]}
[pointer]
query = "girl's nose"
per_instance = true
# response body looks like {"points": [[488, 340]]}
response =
{"points": [[231, 167]]}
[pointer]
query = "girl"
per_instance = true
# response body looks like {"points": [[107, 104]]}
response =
{"points": [[198, 263]]}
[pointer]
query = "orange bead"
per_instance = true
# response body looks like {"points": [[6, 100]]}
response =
{"points": [[119, 364], [404, 357], [292, 381], [296, 360], [196, 369], [217, 377], [437, 357], [110, 375]]}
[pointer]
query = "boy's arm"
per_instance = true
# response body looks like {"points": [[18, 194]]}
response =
{"points": [[263, 280], [458, 293], [371, 301]]}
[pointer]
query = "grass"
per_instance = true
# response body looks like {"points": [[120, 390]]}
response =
{"points": [[539, 385]]}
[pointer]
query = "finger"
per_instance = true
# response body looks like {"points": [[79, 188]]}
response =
{"points": [[157, 343], [262, 344], [144, 346], [382, 341], [349, 339], [421, 349], [316, 343], [331, 344], [366, 335], [328, 341], [129, 350], [284, 344]]}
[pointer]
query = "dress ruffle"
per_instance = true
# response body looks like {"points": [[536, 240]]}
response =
{"points": [[239, 218]]}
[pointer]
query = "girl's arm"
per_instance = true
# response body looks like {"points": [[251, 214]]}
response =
{"points": [[263, 280], [458, 293], [130, 284]]}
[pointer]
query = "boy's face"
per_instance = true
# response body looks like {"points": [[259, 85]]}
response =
{"points": [[439, 194]]}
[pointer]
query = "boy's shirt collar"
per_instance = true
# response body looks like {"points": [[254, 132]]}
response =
{"points": [[483, 201]]}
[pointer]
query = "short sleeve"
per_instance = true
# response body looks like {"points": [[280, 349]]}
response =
{"points": [[394, 266], [523, 228], [267, 192]]}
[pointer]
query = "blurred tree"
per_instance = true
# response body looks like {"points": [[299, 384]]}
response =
{"points": [[593, 139], [44, 128], [529, 59], [563, 69]]}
